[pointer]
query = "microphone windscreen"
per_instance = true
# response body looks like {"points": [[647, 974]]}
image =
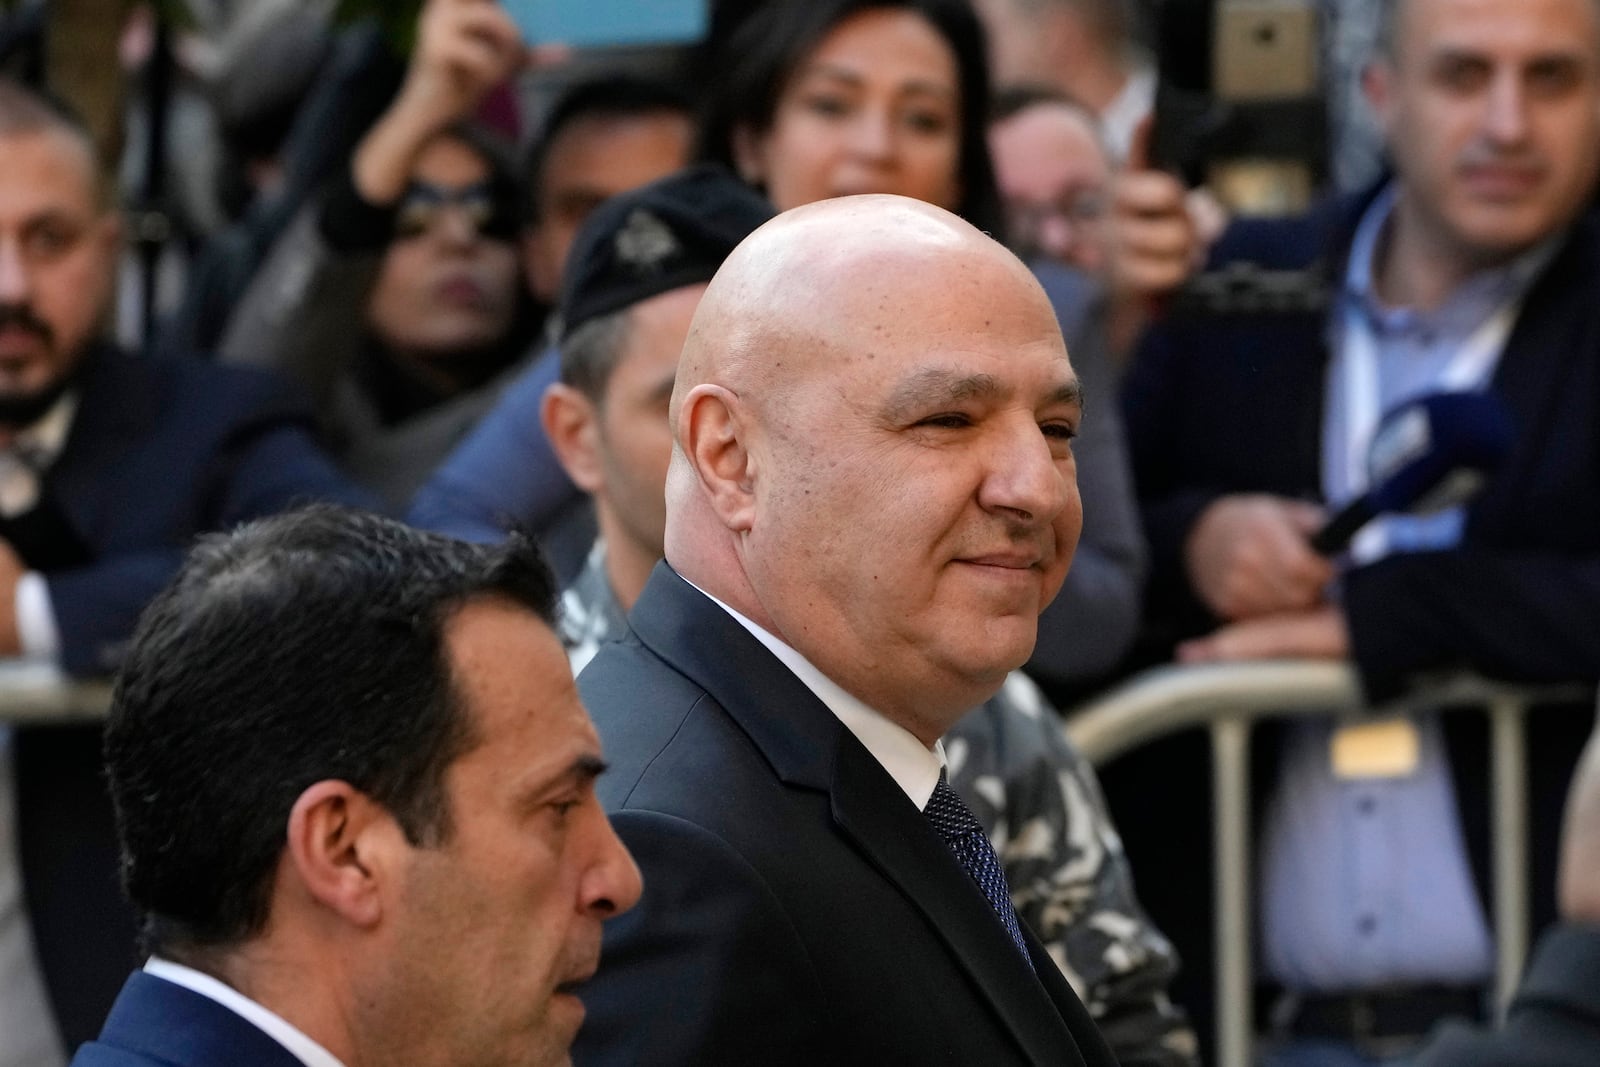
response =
{"points": [[1442, 441]]}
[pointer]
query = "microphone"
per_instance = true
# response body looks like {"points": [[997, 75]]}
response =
{"points": [[1427, 454]]}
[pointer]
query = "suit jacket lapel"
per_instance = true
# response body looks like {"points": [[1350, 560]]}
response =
{"points": [[1554, 329], [808, 746], [898, 841]]}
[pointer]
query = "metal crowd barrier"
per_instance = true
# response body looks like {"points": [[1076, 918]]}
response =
{"points": [[1228, 699], [39, 692]]}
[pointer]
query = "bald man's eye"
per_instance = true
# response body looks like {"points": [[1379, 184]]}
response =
{"points": [[946, 420], [1059, 431]]}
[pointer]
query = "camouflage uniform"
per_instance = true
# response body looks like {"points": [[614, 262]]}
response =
{"points": [[1041, 806]]}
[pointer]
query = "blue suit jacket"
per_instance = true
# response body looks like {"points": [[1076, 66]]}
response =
{"points": [[798, 908], [156, 1023], [160, 451]]}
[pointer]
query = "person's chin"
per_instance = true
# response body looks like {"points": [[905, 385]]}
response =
{"points": [[999, 643]]}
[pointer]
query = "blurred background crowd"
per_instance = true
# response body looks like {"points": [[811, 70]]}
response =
{"points": [[325, 255]]}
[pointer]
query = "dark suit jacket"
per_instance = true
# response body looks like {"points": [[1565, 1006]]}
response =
{"points": [[1233, 403], [156, 1023], [159, 452], [1554, 1020], [798, 909]]}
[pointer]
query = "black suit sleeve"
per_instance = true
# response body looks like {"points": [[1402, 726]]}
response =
{"points": [[1513, 616], [268, 463], [706, 970], [1156, 412]]}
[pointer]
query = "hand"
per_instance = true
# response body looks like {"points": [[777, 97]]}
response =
{"points": [[1249, 555], [464, 49], [1320, 633], [11, 571], [1154, 241]]}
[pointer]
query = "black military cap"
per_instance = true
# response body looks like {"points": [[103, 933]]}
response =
{"points": [[662, 236]]}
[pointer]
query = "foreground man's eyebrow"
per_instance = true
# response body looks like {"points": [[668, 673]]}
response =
{"points": [[933, 386], [1068, 393]]}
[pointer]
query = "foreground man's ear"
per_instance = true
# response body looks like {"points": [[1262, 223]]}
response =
{"points": [[339, 844]]}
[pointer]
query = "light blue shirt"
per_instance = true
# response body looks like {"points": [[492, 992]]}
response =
{"points": [[1366, 883]]}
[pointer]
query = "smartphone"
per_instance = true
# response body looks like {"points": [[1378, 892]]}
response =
{"points": [[610, 23]]}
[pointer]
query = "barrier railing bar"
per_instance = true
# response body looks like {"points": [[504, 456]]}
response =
{"points": [[1510, 852], [36, 692], [1230, 760], [1228, 698]]}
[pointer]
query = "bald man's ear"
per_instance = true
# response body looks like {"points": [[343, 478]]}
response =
{"points": [[572, 423], [340, 847], [714, 438]]}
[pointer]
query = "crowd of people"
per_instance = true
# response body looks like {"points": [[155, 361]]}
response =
{"points": [[839, 414]]}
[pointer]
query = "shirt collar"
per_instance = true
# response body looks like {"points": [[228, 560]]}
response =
{"points": [[914, 767], [44, 439], [1472, 302], [269, 1022], [1135, 100]]}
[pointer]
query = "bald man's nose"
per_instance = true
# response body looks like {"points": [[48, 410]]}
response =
{"points": [[1024, 476]]}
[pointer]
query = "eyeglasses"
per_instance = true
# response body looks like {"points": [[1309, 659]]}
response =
{"points": [[424, 205], [1074, 212]]}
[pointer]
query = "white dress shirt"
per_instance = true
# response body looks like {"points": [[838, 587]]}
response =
{"points": [[914, 766], [1131, 106], [268, 1022], [28, 1036], [41, 444]]}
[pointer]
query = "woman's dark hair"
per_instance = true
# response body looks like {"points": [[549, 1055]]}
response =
{"points": [[762, 55]]}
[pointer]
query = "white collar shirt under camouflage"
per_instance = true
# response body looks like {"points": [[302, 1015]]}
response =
{"points": [[1040, 804], [590, 613]]}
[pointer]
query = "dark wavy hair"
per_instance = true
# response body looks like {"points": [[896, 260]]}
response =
{"points": [[761, 55], [295, 649]]}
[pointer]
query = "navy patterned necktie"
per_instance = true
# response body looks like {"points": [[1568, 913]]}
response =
{"points": [[961, 830]]}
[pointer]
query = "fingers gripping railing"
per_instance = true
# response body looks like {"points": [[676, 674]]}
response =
{"points": [[1228, 699]]}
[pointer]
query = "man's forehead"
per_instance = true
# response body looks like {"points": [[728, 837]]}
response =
{"points": [[48, 172], [1527, 30]]}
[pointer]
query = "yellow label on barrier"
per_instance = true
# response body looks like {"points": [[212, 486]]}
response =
{"points": [[1384, 748]]}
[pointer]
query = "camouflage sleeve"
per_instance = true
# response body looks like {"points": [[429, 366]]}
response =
{"points": [[1070, 880]]}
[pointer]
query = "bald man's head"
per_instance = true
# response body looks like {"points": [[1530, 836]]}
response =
{"points": [[872, 417], [826, 279]]}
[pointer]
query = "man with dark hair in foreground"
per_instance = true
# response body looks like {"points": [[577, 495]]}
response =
{"points": [[355, 792]]}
